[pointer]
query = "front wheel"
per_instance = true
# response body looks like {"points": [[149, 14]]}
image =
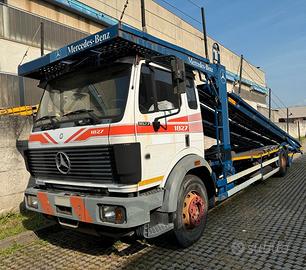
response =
{"points": [[191, 213]]}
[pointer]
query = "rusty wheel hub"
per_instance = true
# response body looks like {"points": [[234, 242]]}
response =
{"points": [[282, 161], [193, 210]]}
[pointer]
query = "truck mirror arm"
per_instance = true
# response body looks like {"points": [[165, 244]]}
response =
{"points": [[156, 123]]}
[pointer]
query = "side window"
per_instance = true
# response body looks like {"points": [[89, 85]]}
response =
{"points": [[166, 99], [146, 93], [191, 95], [156, 85]]}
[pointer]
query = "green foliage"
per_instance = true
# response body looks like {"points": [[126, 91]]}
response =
{"points": [[10, 250], [15, 223]]}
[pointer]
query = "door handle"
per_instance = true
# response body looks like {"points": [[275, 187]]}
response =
{"points": [[187, 140]]}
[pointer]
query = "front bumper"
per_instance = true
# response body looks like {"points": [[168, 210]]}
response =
{"points": [[85, 208]]}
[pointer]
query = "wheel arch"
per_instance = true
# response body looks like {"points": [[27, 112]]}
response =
{"points": [[190, 164], [205, 175]]}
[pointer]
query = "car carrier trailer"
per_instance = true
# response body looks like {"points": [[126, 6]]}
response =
{"points": [[118, 141]]}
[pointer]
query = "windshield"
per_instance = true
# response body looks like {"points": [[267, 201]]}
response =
{"points": [[101, 93]]}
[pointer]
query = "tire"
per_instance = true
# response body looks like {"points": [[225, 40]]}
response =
{"points": [[188, 229], [283, 160]]}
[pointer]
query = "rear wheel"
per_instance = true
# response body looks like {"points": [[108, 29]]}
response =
{"points": [[191, 213], [283, 159]]}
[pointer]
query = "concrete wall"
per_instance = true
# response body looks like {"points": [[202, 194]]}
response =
{"points": [[265, 112], [13, 176], [15, 51], [42, 8], [293, 128], [296, 113]]}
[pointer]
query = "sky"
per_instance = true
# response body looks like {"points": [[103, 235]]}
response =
{"points": [[270, 34]]}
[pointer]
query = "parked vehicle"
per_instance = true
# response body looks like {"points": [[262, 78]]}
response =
{"points": [[118, 140]]}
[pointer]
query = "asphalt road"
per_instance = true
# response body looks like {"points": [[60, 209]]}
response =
{"points": [[263, 227]]}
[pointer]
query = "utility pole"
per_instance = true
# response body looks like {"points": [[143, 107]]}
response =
{"points": [[143, 16], [42, 39], [204, 33], [288, 120], [270, 91], [299, 131], [240, 74]]}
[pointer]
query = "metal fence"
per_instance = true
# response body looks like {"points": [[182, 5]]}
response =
{"points": [[9, 91], [20, 26], [32, 93], [17, 91]]}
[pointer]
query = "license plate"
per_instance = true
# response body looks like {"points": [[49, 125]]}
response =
{"points": [[62, 201]]}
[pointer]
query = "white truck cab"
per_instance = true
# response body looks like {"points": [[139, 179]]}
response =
{"points": [[114, 105]]}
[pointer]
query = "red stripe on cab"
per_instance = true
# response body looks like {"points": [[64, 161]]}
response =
{"points": [[38, 138], [93, 132], [50, 138], [195, 117], [74, 135], [122, 130]]}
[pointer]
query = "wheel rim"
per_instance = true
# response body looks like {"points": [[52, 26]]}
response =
{"points": [[193, 210], [283, 162]]}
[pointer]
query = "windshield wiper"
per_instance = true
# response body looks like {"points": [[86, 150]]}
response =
{"points": [[50, 125], [50, 117], [91, 114]]}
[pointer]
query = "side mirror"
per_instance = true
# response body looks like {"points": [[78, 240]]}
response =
{"points": [[216, 53], [34, 116], [178, 75], [156, 125], [42, 84]]}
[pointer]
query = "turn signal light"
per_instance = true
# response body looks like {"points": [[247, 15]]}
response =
{"points": [[112, 213]]}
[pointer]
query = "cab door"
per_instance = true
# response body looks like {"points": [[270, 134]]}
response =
{"points": [[196, 136], [155, 97]]}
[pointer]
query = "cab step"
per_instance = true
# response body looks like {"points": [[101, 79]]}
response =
{"points": [[156, 230]]}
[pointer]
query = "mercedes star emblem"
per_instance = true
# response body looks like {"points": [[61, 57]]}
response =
{"points": [[62, 162]]}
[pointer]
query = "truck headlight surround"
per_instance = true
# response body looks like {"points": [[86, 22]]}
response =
{"points": [[32, 201], [113, 214]]}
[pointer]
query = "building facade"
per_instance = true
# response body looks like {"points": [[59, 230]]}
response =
{"points": [[68, 20]]}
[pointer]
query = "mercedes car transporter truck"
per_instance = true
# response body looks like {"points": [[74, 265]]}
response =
{"points": [[118, 141]]}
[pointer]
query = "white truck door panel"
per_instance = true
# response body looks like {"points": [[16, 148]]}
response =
{"points": [[158, 147]]}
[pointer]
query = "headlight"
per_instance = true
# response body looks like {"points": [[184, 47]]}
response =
{"points": [[32, 201], [112, 213]]}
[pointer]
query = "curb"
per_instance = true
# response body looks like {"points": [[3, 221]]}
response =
{"points": [[27, 236]]}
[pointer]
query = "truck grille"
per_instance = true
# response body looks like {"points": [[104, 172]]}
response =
{"points": [[86, 163]]}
